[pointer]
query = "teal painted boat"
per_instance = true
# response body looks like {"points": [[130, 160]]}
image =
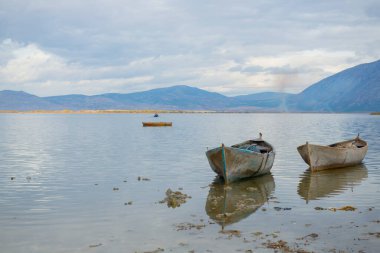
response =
{"points": [[247, 159]]}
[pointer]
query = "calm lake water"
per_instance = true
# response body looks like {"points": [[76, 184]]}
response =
{"points": [[69, 183]]}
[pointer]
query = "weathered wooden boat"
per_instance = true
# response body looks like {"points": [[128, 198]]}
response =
{"points": [[340, 154], [230, 204], [243, 160], [326, 183], [156, 124]]}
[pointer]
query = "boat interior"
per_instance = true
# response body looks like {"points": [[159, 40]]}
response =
{"points": [[255, 146], [349, 144]]}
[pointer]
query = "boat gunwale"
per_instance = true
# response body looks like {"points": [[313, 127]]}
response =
{"points": [[257, 141], [245, 150], [250, 151], [335, 147]]}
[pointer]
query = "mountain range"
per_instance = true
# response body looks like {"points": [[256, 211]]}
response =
{"points": [[356, 89]]}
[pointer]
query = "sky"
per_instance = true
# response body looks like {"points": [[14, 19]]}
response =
{"points": [[231, 47]]}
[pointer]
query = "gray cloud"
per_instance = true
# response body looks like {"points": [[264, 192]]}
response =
{"points": [[234, 47]]}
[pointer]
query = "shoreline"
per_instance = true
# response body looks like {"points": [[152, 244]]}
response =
{"points": [[111, 111], [100, 111]]}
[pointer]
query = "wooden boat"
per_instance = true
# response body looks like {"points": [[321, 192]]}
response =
{"points": [[235, 202], [327, 183], [246, 159], [156, 124], [341, 154]]}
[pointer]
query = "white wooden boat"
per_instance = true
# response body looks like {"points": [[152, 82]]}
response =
{"points": [[243, 160], [341, 154]]}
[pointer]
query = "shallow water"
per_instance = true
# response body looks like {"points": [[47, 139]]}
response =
{"points": [[69, 183]]}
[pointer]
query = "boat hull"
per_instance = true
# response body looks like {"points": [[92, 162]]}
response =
{"points": [[236, 164], [333, 156], [156, 124]]}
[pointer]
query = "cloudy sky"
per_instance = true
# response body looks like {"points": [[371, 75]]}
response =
{"points": [[232, 47]]}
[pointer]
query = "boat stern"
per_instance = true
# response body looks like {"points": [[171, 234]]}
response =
{"points": [[303, 150], [215, 159]]}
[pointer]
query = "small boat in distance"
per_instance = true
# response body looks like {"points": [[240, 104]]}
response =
{"points": [[243, 160], [340, 154], [156, 124], [155, 115]]}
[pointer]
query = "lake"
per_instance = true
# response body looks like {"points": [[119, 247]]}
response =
{"points": [[96, 183]]}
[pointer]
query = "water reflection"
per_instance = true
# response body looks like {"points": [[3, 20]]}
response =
{"points": [[326, 183], [232, 203]]}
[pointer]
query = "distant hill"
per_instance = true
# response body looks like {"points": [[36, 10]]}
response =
{"points": [[19, 100], [171, 98], [77, 102], [175, 97], [275, 101], [355, 89]]}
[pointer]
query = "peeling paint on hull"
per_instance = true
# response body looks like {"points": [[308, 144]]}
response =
{"points": [[237, 163]]}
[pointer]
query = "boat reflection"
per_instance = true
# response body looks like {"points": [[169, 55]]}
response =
{"points": [[227, 204], [326, 183]]}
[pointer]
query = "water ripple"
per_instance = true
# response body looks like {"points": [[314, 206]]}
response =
{"points": [[72, 176]]}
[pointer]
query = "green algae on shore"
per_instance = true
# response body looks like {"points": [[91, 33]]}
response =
{"points": [[175, 198]]}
